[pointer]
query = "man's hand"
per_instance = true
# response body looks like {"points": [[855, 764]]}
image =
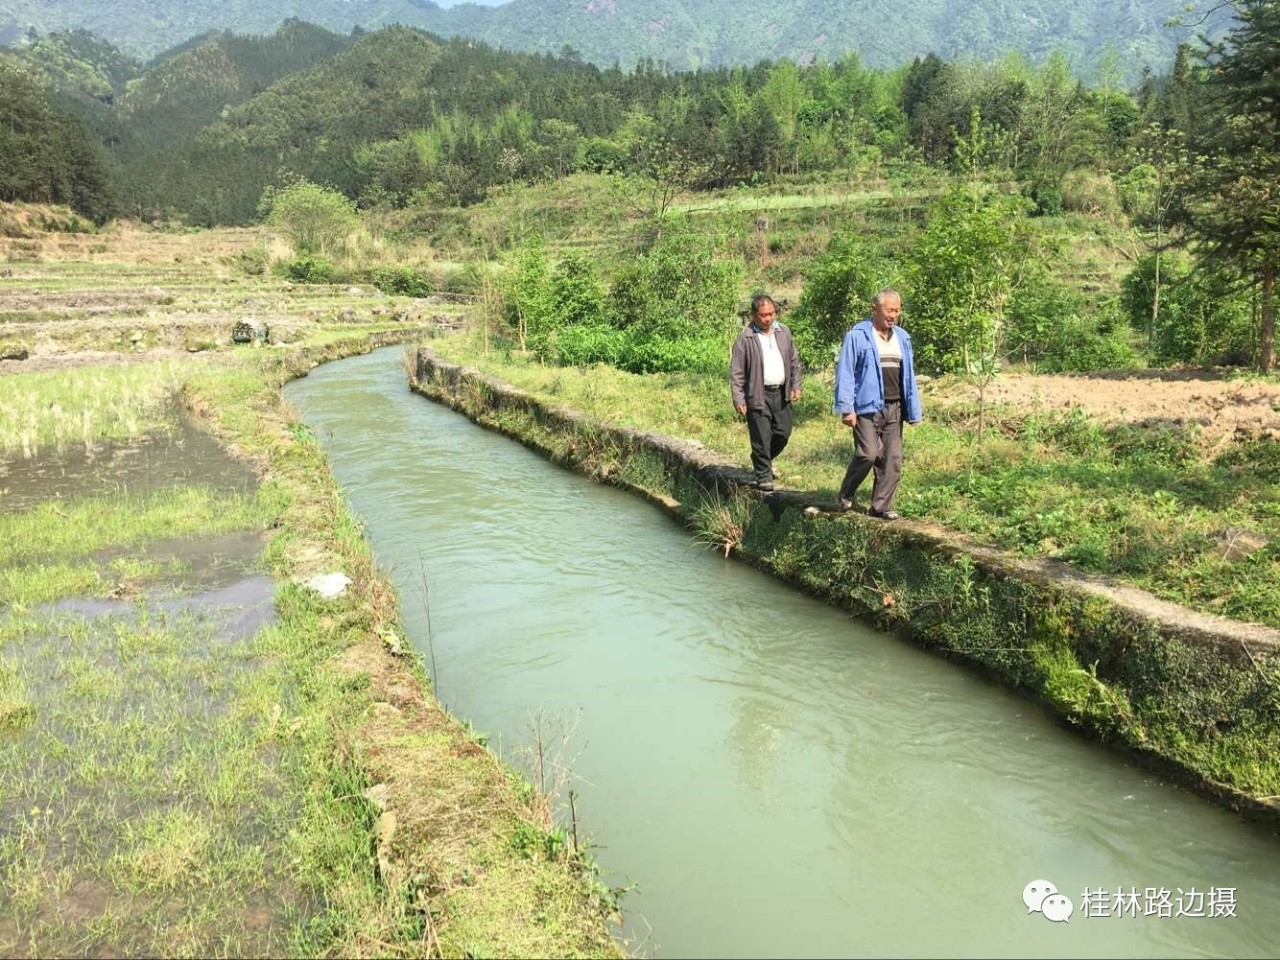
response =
{"points": [[742, 409], [795, 395], [850, 420]]}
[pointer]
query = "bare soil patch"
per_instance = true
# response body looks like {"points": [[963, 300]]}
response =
{"points": [[1223, 408]]}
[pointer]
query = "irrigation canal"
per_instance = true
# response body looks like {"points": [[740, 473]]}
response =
{"points": [[774, 778]]}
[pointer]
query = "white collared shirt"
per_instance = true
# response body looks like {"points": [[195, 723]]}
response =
{"points": [[775, 371]]}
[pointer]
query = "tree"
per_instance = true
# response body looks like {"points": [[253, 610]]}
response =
{"points": [[1058, 134], [561, 140], [966, 265], [528, 301], [47, 156], [1150, 192], [315, 218], [837, 292], [663, 170], [783, 96], [1235, 191], [929, 99]]}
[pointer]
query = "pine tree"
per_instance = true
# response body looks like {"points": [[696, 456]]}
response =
{"points": [[1235, 215]]}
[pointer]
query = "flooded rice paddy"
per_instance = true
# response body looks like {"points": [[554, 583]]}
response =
{"points": [[184, 454], [146, 796]]}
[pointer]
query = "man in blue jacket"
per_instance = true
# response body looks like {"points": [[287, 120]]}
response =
{"points": [[875, 393]]}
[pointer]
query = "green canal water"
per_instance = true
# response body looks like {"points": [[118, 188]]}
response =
{"points": [[774, 778]]}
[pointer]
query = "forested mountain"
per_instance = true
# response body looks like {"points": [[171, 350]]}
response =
{"points": [[191, 89], [683, 33], [392, 114], [400, 117], [403, 120], [701, 33]]}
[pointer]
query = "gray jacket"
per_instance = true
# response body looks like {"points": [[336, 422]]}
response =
{"points": [[746, 367]]}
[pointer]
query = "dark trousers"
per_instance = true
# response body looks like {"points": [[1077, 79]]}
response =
{"points": [[877, 442], [769, 429]]}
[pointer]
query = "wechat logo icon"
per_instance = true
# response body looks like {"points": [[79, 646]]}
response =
{"points": [[1042, 897]]}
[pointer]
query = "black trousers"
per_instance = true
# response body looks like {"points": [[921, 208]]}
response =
{"points": [[769, 429], [877, 443]]}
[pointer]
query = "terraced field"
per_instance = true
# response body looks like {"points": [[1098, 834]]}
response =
{"points": [[129, 294]]}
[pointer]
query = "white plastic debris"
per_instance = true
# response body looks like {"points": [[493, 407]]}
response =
{"points": [[329, 585]]}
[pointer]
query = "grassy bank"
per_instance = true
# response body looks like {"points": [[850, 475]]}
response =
{"points": [[452, 854], [1149, 505]]}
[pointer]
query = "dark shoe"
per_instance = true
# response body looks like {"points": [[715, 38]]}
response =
{"points": [[844, 505], [765, 485], [885, 514]]}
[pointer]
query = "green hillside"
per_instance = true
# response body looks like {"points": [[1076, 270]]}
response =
{"points": [[191, 89], [82, 65], [46, 153], [683, 33], [147, 29], [310, 122]]}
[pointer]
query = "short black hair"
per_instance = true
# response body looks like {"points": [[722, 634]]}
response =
{"points": [[760, 298]]}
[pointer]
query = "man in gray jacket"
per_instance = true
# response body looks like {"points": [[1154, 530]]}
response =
{"points": [[764, 380]]}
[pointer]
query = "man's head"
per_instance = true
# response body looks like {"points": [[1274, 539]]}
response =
{"points": [[886, 307], [763, 311]]}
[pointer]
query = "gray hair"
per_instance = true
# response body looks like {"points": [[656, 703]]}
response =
{"points": [[885, 294], [760, 298]]}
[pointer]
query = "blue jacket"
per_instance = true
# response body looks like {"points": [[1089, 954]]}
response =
{"points": [[859, 383]]}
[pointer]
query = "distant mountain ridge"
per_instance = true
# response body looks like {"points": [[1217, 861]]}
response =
{"points": [[686, 34]]}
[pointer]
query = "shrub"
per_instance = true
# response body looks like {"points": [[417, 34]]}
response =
{"points": [[576, 293], [403, 280], [463, 280], [583, 345], [1154, 446], [602, 156], [1052, 327], [1046, 200], [1205, 316], [61, 220], [1086, 347], [251, 262], [964, 273], [680, 289], [528, 307], [659, 354], [837, 294], [541, 303], [310, 269], [1087, 191]]}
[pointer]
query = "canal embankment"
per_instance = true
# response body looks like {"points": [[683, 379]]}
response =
{"points": [[1192, 695], [465, 855]]}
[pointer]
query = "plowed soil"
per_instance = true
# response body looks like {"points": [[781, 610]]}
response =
{"points": [[1223, 406]]}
